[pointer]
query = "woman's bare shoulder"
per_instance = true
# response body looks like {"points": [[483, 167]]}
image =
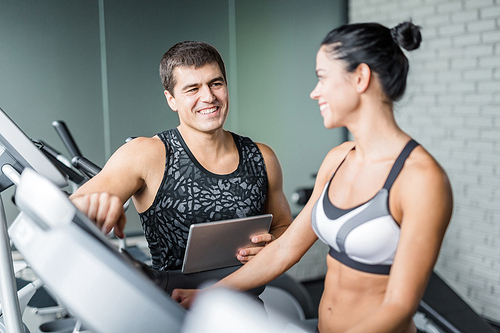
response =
{"points": [[425, 184], [337, 154], [421, 166], [332, 160], [340, 151]]}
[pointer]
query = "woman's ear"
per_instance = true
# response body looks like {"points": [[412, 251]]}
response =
{"points": [[363, 77], [170, 100]]}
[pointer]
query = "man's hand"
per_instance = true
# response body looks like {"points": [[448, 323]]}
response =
{"points": [[105, 210], [246, 254], [185, 297]]}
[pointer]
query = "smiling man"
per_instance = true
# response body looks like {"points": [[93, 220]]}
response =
{"points": [[197, 172]]}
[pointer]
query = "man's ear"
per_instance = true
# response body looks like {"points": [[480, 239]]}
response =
{"points": [[170, 100], [363, 77]]}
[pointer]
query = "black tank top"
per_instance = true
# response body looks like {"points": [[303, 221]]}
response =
{"points": [[190, 194]]}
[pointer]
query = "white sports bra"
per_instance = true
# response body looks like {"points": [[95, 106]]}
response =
{"points": [[364, 237]]}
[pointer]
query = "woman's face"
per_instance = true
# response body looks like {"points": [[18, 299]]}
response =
{"points": [[335, 90]]}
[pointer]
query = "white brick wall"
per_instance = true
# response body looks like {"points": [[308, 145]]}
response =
{"points": [[452, 107]]}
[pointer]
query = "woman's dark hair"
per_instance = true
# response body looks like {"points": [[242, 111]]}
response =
{"points": [[379, 47], [188, 54]]}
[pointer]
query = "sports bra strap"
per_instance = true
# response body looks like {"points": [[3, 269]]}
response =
{"points": [[345, 157], [398, 165]]}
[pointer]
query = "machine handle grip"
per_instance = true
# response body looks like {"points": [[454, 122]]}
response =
{"points": [[66, 137], [52, 155], [85, 166]]}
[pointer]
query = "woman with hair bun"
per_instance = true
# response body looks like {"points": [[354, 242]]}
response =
{"points": [[381, 202]]}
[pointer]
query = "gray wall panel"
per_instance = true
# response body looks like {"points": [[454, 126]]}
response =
{"points": [[138, 34], [49, 70], [277, 43], [50, 65]]}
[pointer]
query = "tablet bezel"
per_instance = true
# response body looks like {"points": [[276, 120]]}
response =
{"points": [[213, 245]]}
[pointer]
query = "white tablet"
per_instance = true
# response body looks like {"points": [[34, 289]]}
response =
{"points": [[215, 244]]}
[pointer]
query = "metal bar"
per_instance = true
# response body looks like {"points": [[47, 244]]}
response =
{"points": [[8, 288], [440, 320]]}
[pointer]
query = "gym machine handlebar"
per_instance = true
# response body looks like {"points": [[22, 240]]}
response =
{"points": [[77, 160], [66, 137]]}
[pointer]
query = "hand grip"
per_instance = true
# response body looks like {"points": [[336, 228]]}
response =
{"points": [[85, 166], [66, 137], [52, 155]]}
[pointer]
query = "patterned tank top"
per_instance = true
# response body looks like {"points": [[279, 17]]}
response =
{"points": [[190, 194]]}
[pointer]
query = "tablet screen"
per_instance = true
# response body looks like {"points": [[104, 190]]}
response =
{"points": [[215, 244]]}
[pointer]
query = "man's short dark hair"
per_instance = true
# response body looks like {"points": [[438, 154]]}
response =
{"points": [[188, 54]]}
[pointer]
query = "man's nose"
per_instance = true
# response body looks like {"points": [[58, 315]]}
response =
{"points": [[207, 95]]}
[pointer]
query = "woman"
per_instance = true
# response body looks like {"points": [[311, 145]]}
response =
{"points": [[381, 202]]}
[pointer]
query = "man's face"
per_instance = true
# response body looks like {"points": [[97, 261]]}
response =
{"points": [[200, 97]]}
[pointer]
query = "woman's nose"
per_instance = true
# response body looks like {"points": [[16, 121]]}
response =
{"points": [[315, 92]]}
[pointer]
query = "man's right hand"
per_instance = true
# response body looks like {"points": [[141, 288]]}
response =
{"points": [[105, 210]]}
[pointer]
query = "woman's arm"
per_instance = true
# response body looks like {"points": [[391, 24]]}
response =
{"points": [[277, 257], [274, 259]]}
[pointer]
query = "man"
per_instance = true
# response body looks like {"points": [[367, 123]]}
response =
{"points": [[194, 173]]}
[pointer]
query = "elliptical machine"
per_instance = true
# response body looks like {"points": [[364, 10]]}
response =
{"points": [[41, 231], [67, 252], [284, 296]]}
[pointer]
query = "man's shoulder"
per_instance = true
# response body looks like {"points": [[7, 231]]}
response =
{"points": [[241, 137], [162, 138], [245, 143], [144, 146]]}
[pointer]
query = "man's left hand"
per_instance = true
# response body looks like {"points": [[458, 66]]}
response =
{"points": [[261, 240]]}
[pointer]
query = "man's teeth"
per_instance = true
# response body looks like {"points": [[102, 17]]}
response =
{"points": [[207, 111], [323, 106]]}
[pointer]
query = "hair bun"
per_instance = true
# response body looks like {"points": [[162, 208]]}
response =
{"points": [[407, 35]]}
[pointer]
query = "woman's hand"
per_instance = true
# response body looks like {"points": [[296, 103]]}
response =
{"points": [[185, 297]]}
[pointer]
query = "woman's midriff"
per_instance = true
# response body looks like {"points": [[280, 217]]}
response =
{"points": [[349, 295]]}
